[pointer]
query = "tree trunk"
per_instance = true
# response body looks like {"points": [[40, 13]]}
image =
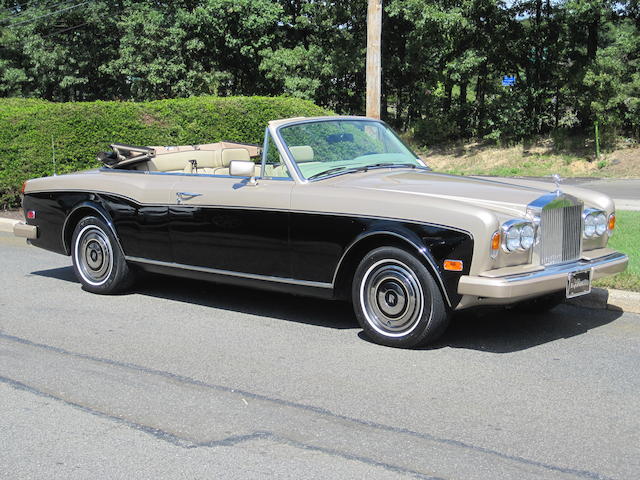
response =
{"points": [[462, 109], [480, 97], [592, 38], [448, 87]]}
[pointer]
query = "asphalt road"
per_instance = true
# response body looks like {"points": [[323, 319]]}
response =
{"points": [[185, 379], [624, 191]]}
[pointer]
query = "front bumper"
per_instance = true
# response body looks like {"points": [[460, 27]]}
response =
{"points": [[532, 284], [29, 232]]}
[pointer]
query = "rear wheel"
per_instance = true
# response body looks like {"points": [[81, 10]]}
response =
{"points": [[396, 299], [98, 261]]}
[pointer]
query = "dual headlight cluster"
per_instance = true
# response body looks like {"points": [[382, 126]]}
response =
{"points": [[595, 223], [520, 235]]}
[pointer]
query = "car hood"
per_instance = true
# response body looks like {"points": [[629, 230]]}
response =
{"points": [[491, 194]]}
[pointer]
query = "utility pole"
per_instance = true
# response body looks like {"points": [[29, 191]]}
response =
{"points": [[374, 71]]}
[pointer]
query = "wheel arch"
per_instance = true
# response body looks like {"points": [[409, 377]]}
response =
{"points": [[76, 214], [369, 241]]}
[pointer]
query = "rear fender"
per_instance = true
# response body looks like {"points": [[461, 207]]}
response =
{"points": [[80, 211]]}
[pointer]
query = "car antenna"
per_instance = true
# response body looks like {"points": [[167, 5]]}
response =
{"points": [[53, 153]]}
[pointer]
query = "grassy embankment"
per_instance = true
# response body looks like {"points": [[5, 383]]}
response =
{"points": [[626, 239], [537, 159]]}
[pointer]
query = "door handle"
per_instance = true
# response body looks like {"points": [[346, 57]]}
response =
{"points": [[180, 196]]}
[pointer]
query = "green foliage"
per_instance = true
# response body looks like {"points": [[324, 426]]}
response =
{"points": [[80, 130], [575, 61], [625, 239]]}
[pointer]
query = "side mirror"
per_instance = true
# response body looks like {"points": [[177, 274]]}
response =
{"points": [[243, 168]]}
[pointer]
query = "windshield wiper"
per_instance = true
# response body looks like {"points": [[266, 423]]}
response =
{"points": [[387, 165], [361, 169], [330, 171]]}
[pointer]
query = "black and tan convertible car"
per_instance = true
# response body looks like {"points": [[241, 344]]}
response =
{"points": [[335, 207]]}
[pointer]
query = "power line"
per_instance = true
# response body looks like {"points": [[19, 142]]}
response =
{"points": [[65, 30], [27, 9], [49, 14]]}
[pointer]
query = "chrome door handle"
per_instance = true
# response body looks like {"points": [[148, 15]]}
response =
{"points": [[180, 196]]}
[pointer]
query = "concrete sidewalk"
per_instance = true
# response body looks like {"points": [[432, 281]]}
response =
{"points": [[6, 224]]}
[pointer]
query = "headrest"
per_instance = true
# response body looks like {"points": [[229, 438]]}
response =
{"points": [[229, 154], [302, 153]]}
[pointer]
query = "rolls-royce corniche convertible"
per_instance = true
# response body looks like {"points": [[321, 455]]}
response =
{"points": [[334, 207]]}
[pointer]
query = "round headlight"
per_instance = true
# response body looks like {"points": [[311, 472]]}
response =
{"points": [[527, 236], [517, 235], [589, 226], [512, 241], [601, 224]]}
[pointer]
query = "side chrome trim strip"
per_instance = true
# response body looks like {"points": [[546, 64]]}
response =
{"points": [[215, 271], [414, 245]]}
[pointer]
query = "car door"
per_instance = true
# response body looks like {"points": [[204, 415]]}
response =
{"points": [[226, 223]]}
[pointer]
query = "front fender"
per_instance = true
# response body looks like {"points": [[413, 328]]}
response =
{"points": [[432, 244]]}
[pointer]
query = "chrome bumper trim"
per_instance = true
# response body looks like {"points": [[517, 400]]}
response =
{"points": [[551, 279], [25, 231]]}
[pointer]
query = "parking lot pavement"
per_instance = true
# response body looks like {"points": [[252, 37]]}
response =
{"points": [[185, 379]]}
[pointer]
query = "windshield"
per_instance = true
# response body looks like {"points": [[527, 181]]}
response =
{"points": [[341, 146]]}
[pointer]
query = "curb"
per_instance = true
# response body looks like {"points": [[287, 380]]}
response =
{"points": [[610, 299], [6, 224], [626, 204]]}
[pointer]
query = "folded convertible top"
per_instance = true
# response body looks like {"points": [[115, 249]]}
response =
{"points": [[123, 156]]}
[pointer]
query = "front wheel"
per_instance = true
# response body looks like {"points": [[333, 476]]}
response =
{"points": [[98, 261], [396, 299]]}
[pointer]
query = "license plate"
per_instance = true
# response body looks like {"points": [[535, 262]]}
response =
{"points": [[578, 283]]}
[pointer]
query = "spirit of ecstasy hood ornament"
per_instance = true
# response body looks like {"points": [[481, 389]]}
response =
{"points": [[557, 179]]}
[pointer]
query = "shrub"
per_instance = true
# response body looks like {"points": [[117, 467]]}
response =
{"points": [[80, 130]]}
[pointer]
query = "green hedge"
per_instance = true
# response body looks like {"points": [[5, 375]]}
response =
{"points": [[80, 130]]}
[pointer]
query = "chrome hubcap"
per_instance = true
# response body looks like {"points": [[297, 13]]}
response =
{"points": [[391, 298], [94, 254]]}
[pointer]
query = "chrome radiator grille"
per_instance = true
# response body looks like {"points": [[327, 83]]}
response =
{"points": [[561, 234]]}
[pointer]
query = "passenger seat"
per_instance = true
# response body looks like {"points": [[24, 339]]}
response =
{"points": [[230, 154]]}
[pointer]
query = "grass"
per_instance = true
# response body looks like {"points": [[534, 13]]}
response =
{"points": [[539, 159], [626, 239]]}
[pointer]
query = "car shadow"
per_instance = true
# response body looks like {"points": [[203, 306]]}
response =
{"points": [[495, 331], [292, 308], [506, 331], [61, 273]]}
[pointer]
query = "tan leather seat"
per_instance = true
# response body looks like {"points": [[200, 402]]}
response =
{"points": [[197, 161], [229, 154], [302, 153]]}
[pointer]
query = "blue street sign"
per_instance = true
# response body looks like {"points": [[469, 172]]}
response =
{"points": [[508, 81]]}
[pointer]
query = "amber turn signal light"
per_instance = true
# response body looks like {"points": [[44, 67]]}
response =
{"points": [[453, 265], [495, 244], [612, 223], [24, 186]]}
